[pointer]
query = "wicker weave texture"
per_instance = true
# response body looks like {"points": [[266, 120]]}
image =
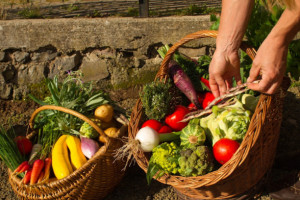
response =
{"points": [[251, 161], [94, 180]]}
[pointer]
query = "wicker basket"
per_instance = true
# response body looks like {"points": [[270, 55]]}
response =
{"points": [[251, 161], [94, 180]]}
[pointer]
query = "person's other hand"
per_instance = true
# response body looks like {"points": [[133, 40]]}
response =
{"points": [[270, 64], [222, 69]]}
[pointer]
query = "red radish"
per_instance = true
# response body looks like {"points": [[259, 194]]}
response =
{"points": [[24, 144], [27, 176], [24, 168], [152, 123], [174, 119], [165, 129], [37, 167], [183, 82], [19, 168]]}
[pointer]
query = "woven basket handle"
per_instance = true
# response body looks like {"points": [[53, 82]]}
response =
{"points": [[68, 111], [251, 52]]}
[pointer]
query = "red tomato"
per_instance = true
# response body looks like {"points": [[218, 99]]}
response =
{"points": [[165, 129], [24, 145], [208, 98], [152, 123], [192, 106], [224, 149], [174, 119]]}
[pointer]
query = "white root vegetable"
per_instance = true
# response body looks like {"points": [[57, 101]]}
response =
{"points": [[148, 138], [36, 149], [145, 140]]}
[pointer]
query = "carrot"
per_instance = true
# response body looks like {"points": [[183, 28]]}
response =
{"points": [[41, 176], [37, 167], [183, 82], [44, 176], [18, 169], [48, 162], [27, 176]]}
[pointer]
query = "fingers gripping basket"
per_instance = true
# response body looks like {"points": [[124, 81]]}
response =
{"points": [[251, 161], [94, 180]]}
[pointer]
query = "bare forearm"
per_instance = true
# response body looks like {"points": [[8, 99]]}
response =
{"points": [[287, 26], [234, 19]]}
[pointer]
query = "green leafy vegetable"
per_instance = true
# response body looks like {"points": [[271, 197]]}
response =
{"points": [[70, 93], [229, 122], [156, 99]]}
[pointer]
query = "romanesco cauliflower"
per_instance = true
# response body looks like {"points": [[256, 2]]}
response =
{"points": [[166, 156], [88, 131]]}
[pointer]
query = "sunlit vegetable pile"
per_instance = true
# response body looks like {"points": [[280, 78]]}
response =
{"points": [[63, 143], [187, 133]]}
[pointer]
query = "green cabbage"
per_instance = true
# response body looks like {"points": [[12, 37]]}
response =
{"points": [[229, 122]]}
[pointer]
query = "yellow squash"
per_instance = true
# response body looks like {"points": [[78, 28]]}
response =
{"points": [[77, 157], [60, 158]]}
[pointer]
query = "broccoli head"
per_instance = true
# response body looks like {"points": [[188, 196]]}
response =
{"points": [[195, 162]]}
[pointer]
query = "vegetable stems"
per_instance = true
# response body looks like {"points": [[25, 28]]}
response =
{"points": [[9, 152], [164, 137]]}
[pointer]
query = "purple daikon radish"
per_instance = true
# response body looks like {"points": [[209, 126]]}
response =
{"points": [[89, 146], [183, 82]]}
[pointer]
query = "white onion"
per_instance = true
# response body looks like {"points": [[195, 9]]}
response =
{"points": [[148, 138]]}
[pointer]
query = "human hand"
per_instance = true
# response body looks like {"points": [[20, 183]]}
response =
{"points": [[222, 69], [270, 64]]}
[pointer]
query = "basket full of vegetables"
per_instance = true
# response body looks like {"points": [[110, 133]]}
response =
{"points": [[205, 147], [72, 138]]}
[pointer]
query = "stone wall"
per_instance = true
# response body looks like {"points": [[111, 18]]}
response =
{"points": [[118, 54]]}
